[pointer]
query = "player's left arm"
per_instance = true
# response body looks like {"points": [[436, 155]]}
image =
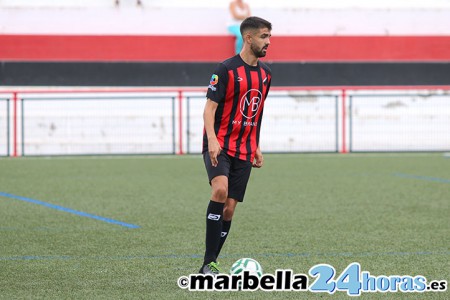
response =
{"points": [[259, 159]]}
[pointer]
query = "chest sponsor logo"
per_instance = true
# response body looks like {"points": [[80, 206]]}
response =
{"points": [[250, 103]]}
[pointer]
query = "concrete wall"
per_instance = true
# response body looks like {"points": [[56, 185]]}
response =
{"points": [[157, 17]]}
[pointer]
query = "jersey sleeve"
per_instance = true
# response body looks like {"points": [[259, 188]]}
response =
{"points": [[268, 77], [218, 84], [268, 87]]}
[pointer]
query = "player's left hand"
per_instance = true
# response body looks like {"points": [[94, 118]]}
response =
{"points": [[259, 159]]}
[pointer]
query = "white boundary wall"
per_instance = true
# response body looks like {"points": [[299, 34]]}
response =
{"points": [[4, 130], [294, 121]]}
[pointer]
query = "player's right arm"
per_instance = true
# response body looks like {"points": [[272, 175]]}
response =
{"points": [[208, 118]]}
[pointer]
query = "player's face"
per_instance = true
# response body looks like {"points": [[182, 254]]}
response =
{"points": [[260, 42]]}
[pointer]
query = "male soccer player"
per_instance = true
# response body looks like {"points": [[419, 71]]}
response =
{"points": [[232, 119]]}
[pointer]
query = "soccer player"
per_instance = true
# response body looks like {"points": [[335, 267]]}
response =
{"points": [[232, 120]]}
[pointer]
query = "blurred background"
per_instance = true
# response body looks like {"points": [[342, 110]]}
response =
{"points": [[129, 76]]}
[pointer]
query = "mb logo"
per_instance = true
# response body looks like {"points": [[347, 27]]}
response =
{"points": [[250, 103]]}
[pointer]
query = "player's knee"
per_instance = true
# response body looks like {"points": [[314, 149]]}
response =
{"points": [[219, 193]]}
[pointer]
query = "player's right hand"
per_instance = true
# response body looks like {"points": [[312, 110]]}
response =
{"points": [[214, 151]]}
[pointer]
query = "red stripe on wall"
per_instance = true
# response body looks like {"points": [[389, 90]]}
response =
{"points": [[114, 48], [217, 48], [364, 48]]}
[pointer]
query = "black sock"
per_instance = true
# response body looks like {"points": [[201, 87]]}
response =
{"points": [[214, 216], [225, 229]]}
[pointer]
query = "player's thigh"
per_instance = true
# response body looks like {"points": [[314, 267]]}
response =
{"points": [[222, 168], [238, 179]]}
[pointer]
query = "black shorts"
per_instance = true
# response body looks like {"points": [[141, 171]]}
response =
{"points": [[237, 171]]}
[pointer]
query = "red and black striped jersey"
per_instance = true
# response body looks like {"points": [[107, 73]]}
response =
{"points": [[240, 91]]}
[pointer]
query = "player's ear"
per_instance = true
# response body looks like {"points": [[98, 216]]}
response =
{"points": [[247, 37]]}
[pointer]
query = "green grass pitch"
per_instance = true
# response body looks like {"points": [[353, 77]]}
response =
{"points": [[389, 212]]}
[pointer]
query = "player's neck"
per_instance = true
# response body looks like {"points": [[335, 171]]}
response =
{"points": [[249, 58]]}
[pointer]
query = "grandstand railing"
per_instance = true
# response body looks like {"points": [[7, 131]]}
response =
{"points": [[4, 126], [118, 121]]}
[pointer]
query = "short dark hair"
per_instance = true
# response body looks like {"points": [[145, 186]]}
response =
{"points": [[254, 23]]}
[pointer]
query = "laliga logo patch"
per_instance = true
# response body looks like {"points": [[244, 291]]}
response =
{"points": [[214, 79], [252, 102]]}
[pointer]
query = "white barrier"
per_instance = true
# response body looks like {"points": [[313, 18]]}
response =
{"points": [[4, 126], [293, 122], [125, 124], [149, 121], [400, 122]]}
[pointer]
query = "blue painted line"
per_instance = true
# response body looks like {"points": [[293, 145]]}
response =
{"points": [[197, 256], [427, 178], [68, 210]]}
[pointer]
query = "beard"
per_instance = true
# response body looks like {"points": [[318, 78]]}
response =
{"points": [[258, 52]]}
